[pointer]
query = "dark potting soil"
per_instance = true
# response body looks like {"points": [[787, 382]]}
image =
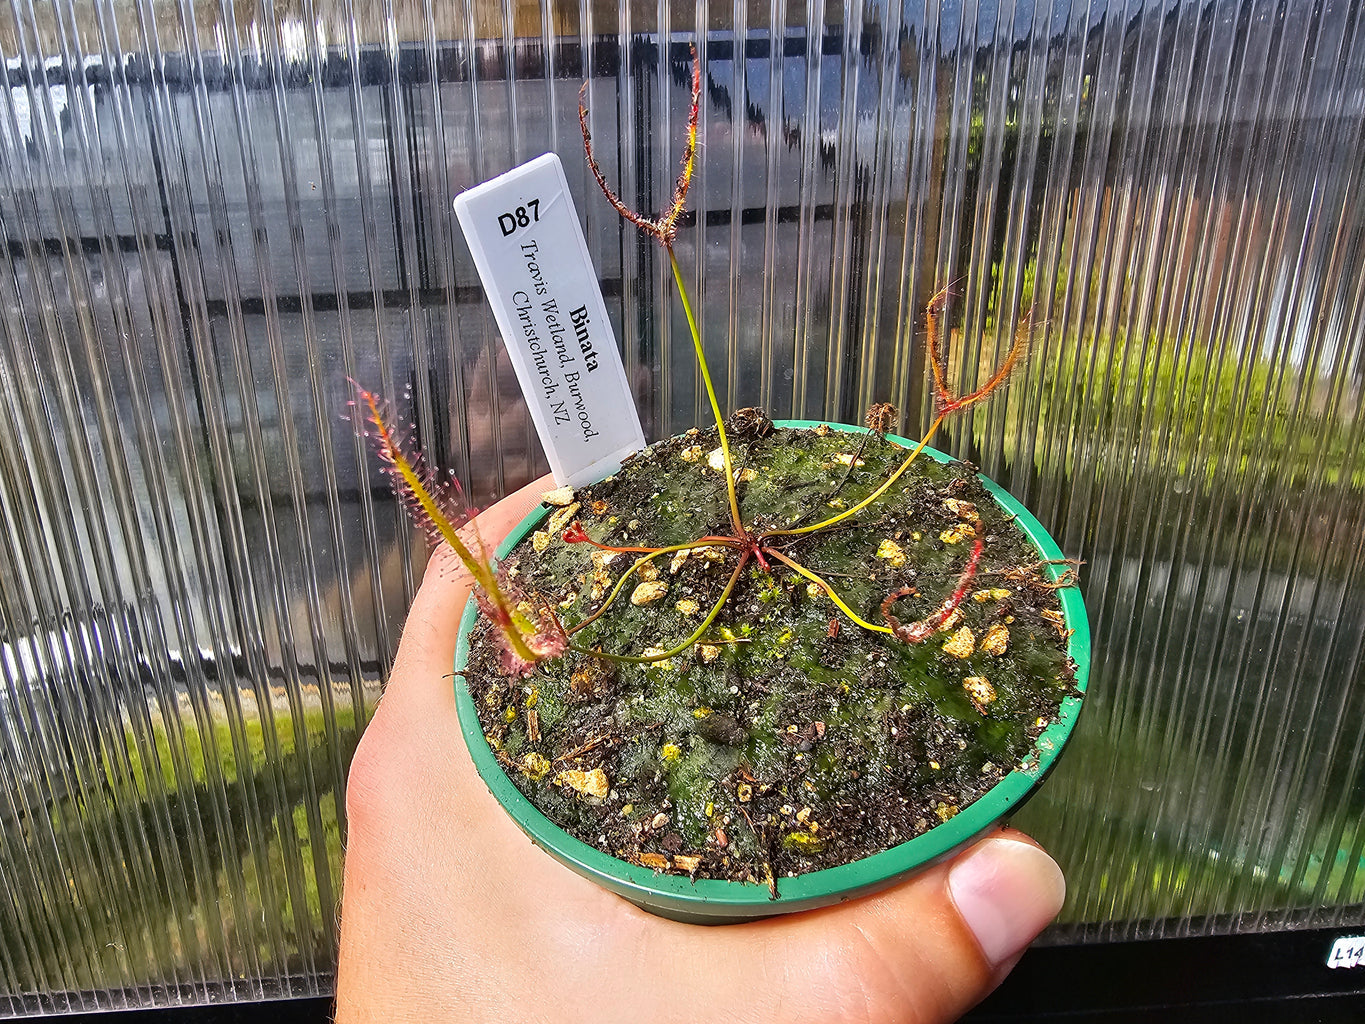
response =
{"points": [[788, 739]]}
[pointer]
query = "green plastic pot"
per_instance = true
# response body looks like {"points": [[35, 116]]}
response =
{"points": [[709, 901]]}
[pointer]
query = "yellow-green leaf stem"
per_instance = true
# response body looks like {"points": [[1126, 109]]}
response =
{"points": [[800, 569], [710, 392], [866, 501], [645, 659], [616, 590]]}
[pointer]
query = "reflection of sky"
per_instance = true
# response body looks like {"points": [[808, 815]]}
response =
{"points": [[747, 99], [19, 131], [1019, 17], [23, 110], [756, 89]]}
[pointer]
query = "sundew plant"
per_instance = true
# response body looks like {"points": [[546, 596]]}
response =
{"points": [[529, 628]]}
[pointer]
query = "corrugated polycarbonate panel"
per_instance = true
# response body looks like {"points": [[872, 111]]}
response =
{"points": [[214, 215]]}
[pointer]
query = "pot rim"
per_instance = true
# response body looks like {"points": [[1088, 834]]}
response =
{"points": [[718, 898]]}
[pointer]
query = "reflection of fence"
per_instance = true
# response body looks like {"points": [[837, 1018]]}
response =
{"points": [[202, 244]]}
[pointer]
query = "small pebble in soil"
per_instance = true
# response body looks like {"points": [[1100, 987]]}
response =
{"points": [[560, 496], [961, 644], [648, 592], [996, 640]]}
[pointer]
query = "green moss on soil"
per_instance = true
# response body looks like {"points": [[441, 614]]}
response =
{"points": [[793, 749]]}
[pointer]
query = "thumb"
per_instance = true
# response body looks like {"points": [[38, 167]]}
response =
{"points": [[1007, 890], [947, 938], [926, 950]]}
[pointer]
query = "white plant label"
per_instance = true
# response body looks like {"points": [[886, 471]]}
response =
{"points": [[531, 256], [1347, 952]]}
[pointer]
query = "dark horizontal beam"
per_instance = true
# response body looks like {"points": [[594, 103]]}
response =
{"points": [[388, 298], [723, 216], [1250, 978], [449, 62], [1215, 978], [87, 245]]}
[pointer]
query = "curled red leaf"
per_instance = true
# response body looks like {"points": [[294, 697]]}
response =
{"points": [[918, 632]]}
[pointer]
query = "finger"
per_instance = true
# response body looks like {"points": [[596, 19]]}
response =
{"points": [[926, 950], [421, 670], [1007, 889], [945, 943]]}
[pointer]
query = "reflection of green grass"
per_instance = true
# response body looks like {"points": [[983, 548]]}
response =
{"points": [[1108, 813], [252, 902], [253, 731], [1230, 439], [1184, 411], [327, 805], [1196, 409]]}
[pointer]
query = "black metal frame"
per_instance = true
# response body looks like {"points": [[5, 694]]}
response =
{"points": [[1279, 977]]}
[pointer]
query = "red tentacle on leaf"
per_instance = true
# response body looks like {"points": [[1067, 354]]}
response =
{"points": [[436, 504], [664, 227], [419, 486], [944, 397], [918, 632]]}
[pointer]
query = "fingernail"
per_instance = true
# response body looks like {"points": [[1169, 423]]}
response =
{"points": [[1007, 892]]}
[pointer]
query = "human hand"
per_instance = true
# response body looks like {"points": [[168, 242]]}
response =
{"points": [[449, 913]]}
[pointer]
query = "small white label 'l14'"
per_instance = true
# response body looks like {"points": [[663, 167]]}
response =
{"points": [[1348, 951], [531, 256]]}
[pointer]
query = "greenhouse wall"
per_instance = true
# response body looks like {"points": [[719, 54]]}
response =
{"points": [[215, 215]]}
